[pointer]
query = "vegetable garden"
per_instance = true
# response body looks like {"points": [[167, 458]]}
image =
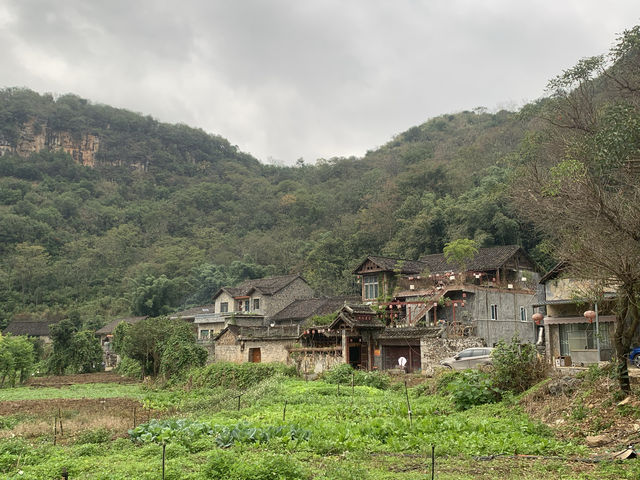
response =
{"points": [[226, 423]]}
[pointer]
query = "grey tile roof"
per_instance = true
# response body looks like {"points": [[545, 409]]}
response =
{"points": [[266, 286], [554, 272], [410, 332], [302, 309], [398, 265], [488, 258], [357, 316], [34, 327], [203, 309], [109, 328]]}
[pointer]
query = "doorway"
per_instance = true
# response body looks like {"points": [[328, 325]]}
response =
{"points": [[254, 355]]}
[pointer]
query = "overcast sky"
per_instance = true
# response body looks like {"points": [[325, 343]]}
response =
{"points": [[285, 79]]}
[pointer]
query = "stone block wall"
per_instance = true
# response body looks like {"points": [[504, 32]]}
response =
{"points": [[270, 351], [316, 362], [296, 290], [433, 350]]}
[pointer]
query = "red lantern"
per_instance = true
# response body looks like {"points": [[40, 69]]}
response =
{"points": [[590, 315]]}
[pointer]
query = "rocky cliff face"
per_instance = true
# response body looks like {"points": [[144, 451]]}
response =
{"points": [[33, 138]]}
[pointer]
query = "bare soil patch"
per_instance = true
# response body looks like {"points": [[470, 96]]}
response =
{"points": [[593, 408], [77, 415]]}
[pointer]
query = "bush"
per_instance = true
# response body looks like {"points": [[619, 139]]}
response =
{"points": [[444, 379], [344, 372], [238, 376], [100, 435], [128, 367], [516, 366], [16, 359], [472, 387], [255, 466]]}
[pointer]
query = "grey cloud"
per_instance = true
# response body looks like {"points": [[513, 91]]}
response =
{"points": [[313, 78]]}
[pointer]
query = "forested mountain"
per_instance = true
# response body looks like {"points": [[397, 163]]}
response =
{"points": [[104, 212]]}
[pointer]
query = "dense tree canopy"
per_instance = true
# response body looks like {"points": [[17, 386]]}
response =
{"points": [[169, 214]]}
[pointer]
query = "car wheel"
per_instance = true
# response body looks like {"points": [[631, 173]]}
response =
{"points": [[636, 360]]}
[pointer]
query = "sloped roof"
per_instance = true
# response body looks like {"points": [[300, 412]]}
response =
{"points": [[266, 286], [487, 258], [260, 332], [397, 265], [302, 309], [110, 327], [357, 316], [33, 327], [410, 332], [191, 312], [554, 272]]}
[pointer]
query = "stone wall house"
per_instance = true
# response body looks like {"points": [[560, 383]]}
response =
{"points": [[569, 337], [425, 303], [255, 344], [252, 303], [492, 299]]}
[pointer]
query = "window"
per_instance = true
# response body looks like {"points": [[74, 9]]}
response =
{"points": [[246, 306], [224, 307], [370, 287], [256, 304], [204, 334], [577, 336], [523, 314], [466, 353], [494, 312]]}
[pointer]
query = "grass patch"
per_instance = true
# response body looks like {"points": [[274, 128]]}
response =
{"points": [[322, 433]]}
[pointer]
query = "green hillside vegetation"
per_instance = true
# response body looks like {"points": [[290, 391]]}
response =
{"points": [[202, 214], [199, 214]]}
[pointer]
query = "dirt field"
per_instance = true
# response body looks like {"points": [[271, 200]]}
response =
{"points": [[77, 415]]}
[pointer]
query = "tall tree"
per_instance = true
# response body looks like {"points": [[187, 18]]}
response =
{"points": [[580, 181]]}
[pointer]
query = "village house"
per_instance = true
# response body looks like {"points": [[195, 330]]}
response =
{"points": [[570, 337], [250, 304], [414, 313], [410, 315], [105, 334], [255, 344], [31, 327]]}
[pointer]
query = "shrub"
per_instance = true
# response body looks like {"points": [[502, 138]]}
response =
{"points": [[472, 387], [255, 466], [344, 372], [128, 367], [16, 359], [516, 366], [238, 376], [444, 379], [99, 435]]}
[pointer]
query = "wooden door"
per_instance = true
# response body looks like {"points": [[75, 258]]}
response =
{"points": [[254, 355]]}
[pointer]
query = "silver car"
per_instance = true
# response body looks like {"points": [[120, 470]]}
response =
{"points": [[469, 358]]}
